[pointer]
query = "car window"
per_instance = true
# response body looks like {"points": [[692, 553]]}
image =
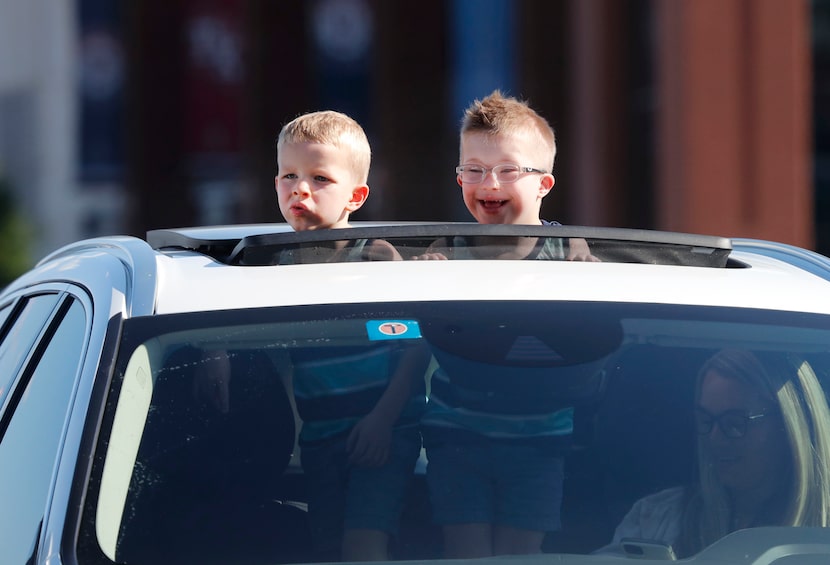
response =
{"points": [[223, 431], [32, 435], [18, 340]]}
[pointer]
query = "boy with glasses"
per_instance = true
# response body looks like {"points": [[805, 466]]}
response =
{"points": [[506, 154], [495, 477]]}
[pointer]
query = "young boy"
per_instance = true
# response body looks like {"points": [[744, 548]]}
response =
{"points": [[360, 405], [495, 477]]}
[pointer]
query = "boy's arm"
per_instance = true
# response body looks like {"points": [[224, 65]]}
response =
{"points": [[212, 381], [437, 251], [380, 250], [369, 441]]}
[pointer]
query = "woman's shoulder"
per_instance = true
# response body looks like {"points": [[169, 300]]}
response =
{"points": [[659, 511], [654, 517], [672, 495]]}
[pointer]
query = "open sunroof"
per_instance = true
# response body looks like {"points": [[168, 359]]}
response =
{"points": [[453, 241]]}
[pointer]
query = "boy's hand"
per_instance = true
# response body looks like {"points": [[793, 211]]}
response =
{"points": [[380, 250], [369, 441], [430, 257], [578, 250]]}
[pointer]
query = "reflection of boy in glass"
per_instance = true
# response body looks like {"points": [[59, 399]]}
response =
{"points": [[495, 432], [360, 440], [763, 456], [360, 408]]}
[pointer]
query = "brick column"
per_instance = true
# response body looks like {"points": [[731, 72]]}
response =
{"points": [[733, 130]]}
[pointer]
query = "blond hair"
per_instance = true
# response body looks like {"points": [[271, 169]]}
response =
{"points": [[794, 387], [331, 128], [498, 114]]}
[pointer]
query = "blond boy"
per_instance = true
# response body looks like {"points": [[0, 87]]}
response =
{"points": [[358, 464]]}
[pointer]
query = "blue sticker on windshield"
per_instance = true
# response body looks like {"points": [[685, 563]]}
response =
{"points": [[392, 329]]}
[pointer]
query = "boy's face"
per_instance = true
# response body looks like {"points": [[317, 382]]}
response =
{"points": [[316, 186], [492, 202]]}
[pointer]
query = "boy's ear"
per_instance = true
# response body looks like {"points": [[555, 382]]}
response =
{"points": [[276, 181], [359, 196], [546, 183], [458, 180]]}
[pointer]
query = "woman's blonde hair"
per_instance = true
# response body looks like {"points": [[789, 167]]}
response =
{"points": [[332, 128], [792, 384]]}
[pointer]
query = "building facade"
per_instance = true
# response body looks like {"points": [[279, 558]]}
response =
{"points": [[689, 115]]}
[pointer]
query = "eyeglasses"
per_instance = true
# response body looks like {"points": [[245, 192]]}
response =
{"points": [[733, 423], [505, 173]]}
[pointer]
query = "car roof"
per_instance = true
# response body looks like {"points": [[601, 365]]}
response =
{"points": [[762, 286], [194, 269]]}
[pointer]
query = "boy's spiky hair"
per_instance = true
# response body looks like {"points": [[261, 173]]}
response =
{"points": [[497, 114]]}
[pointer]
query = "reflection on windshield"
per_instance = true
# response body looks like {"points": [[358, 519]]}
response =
{"points": [[423, 431]]}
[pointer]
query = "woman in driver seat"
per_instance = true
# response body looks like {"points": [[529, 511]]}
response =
{"points": [[763, 447]]}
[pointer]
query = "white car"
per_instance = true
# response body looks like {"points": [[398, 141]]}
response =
{"points": [[147, 415]]}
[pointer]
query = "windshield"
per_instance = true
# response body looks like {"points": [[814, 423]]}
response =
{"points": [[319, 434]]}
